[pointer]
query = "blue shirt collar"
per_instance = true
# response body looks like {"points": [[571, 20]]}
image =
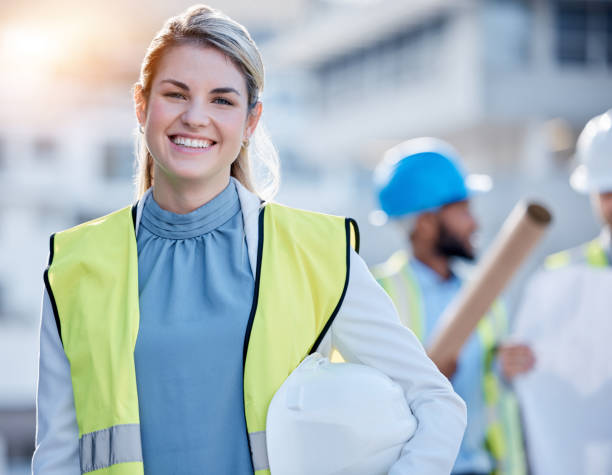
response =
{"points": [[200, 221]]}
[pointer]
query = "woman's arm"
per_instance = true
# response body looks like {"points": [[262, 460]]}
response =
{"points": [[367, 330], [57, 434]]}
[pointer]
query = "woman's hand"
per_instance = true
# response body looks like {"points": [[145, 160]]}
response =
{"points": [[515, 359]]}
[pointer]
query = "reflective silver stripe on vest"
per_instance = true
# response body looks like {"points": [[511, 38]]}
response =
{"points": [[106, 447], [259, 450]]}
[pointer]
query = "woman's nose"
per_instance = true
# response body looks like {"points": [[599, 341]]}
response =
{"points": [[196, 115]]}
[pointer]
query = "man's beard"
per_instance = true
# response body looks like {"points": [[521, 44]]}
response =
{"points": [[449, 245]]}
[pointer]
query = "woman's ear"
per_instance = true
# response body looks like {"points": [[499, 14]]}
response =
{"points": [[140, 105], [253, 120]]}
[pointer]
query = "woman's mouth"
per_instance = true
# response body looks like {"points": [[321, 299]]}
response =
{"points": [[189, 144]]}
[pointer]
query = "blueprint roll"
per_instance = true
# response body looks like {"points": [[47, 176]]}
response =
{"points": [[519, 234]]}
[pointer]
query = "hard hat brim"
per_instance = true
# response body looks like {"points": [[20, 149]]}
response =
{"points": [[582, 182]]}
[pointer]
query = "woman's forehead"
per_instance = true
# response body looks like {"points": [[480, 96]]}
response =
{"points": [[200, 66]]}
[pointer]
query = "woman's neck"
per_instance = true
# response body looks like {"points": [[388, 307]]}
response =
{"points": [[184, 197]]}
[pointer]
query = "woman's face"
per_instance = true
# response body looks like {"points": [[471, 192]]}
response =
{"points": [[196, 116]]}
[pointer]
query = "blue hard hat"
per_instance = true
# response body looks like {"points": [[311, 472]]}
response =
{"points": [[420, 175]]}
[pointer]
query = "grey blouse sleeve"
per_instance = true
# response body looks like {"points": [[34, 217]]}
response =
{"points": [[57, 434]]}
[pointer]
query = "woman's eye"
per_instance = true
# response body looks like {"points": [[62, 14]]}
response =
{"points": [[175, 95], [222, 100]]}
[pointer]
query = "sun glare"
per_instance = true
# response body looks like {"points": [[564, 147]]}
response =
{"points": [[27, 49]]}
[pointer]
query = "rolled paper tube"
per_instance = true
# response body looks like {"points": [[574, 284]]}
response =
{"points": [[521, 231]]}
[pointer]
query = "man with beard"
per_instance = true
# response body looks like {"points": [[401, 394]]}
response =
{"points": [[421, 185]]}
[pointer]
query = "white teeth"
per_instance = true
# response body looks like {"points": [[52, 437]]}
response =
{"points": [[193, 143]]}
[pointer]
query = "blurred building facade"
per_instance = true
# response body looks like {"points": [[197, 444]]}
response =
{"points": [[510, 83]]}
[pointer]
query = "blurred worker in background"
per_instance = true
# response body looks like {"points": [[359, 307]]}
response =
{"points": [[594, 176], [421, 185], [565, 311]]}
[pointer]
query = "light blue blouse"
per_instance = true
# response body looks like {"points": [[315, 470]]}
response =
{"points": [[196, 290]]}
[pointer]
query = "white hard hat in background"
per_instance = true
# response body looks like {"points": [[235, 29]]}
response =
{"points": [[337, 419], [594, 153]]}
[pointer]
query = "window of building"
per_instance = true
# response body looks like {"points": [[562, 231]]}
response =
{"points": [[608, 36], [584, 33], [118, 161], [385, 63], [572, 33], [410, 55], [508, 33]]}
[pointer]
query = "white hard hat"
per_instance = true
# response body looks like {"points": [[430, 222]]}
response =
{"points": [[594, 153], [337, 419]]}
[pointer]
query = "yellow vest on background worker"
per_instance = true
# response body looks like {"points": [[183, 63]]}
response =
{"points": [[504, 440], [591, 254], [92, 280], [592, 175]]}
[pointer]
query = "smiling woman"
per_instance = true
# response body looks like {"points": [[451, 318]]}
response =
{"points": [[168, 326], [196, 120], [223, 54]]}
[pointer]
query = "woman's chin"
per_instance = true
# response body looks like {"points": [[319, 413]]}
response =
{"points": [[190, 176]]}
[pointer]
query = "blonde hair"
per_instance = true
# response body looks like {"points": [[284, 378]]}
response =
{"points": [[208, 27]]}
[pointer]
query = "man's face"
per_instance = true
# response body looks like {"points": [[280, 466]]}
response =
{"points": [[603, 203], [456, 228]]}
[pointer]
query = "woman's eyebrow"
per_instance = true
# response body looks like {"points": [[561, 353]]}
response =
{"points": [[217, 90], [224, 90], [180, 84]]}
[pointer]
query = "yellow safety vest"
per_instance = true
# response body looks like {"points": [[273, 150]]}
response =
{"points": [[92, 280], [503, 439], [592, 254]]}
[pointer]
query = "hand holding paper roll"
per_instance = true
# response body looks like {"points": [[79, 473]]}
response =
{"points": [[523, 228]]}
